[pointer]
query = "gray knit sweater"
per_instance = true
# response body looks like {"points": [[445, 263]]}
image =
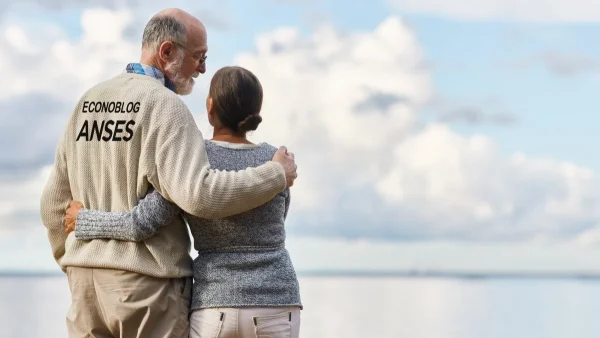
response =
{"points": [[242, 260]]}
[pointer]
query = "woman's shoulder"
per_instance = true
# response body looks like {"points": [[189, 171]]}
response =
{"points": [[232, 156], [260, 147], [268, 147]]}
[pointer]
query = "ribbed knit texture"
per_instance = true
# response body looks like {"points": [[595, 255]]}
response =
{"points": [[242, 260], [167, 152]]}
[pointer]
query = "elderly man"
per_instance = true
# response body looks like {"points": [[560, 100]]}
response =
{"points": [[125, 135]]}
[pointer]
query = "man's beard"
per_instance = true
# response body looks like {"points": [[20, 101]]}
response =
{"points": [[182, 85]]}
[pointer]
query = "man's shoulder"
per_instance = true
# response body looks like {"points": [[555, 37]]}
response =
{"points": [[131, 83], [126, 84], [148, 93]]}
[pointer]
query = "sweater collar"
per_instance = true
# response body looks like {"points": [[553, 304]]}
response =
{"points": [[142, 69]]}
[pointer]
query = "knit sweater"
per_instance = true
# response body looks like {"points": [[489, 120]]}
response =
{"points": [[242, 260], [125, 135]]}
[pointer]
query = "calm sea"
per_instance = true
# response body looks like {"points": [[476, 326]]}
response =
{"points": [[371, 307]]}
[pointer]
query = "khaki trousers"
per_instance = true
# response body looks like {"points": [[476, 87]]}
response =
{"points": [[109, 303], [249, 322]]}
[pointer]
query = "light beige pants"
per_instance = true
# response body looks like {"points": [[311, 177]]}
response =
{"points": [[109, 303], [262, 322]]}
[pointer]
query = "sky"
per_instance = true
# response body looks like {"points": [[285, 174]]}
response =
{"points": [[429, 135]]}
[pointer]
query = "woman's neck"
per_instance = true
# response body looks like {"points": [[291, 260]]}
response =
{"points": [[229, 136]]}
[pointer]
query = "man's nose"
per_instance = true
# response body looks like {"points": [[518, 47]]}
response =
{"points": [[201, 68]]}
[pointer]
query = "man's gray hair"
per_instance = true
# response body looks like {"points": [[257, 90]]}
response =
{"points": [[163, 28]]}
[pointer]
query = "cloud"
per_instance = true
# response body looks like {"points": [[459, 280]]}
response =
{"points": [[541, 11], [558, 63], [378, 101], [62, 4], [22, 205], [23, 240], [347, 103], [373, 173], [49, 72], [476, 115], [461, 187], [590, 238], [567, 64], [490, 111], [215, 20], [313, 86], [215, 14], [32, 125], [68, 67]]}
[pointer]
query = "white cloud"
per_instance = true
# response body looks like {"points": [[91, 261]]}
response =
{"points": [[462, 186], [45, 60], [347, 104], [317, 91], [532, 11], [23, 241], [49, 71], [24, 195], [590, 238], [371, 172], [559, 63]]}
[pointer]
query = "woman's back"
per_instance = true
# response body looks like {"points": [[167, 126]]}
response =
{"points": [[242, 260], [259, 228]]}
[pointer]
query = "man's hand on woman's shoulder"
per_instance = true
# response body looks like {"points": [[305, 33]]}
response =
{"points": [[288, 162]]}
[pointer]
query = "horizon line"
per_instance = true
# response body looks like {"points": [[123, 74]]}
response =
{"points": [[456, 274]]}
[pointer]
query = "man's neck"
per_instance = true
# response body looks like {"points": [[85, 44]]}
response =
{"points": [[152, 61]]}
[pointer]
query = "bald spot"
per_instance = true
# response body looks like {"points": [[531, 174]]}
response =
{"points": [[191, 23], [196, 32]]}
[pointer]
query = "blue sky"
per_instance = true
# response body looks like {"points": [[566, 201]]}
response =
{"points": [[528, 85], [477, 62], [474, 62]]}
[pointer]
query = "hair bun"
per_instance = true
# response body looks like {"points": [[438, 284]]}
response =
{"points": [[251, 122]]}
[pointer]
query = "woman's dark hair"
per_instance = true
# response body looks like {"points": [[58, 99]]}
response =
{"points": [[237, 98]]}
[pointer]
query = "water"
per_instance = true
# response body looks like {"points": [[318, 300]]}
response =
{"points": [[347, 307]]}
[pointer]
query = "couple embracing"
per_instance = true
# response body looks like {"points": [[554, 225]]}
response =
{"points": [[125, 183]]}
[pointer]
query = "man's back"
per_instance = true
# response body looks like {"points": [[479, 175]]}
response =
{"points": [[110, 143], [104, 143]]}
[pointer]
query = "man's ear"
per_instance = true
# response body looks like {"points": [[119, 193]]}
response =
{"points": [[165, 51]]}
